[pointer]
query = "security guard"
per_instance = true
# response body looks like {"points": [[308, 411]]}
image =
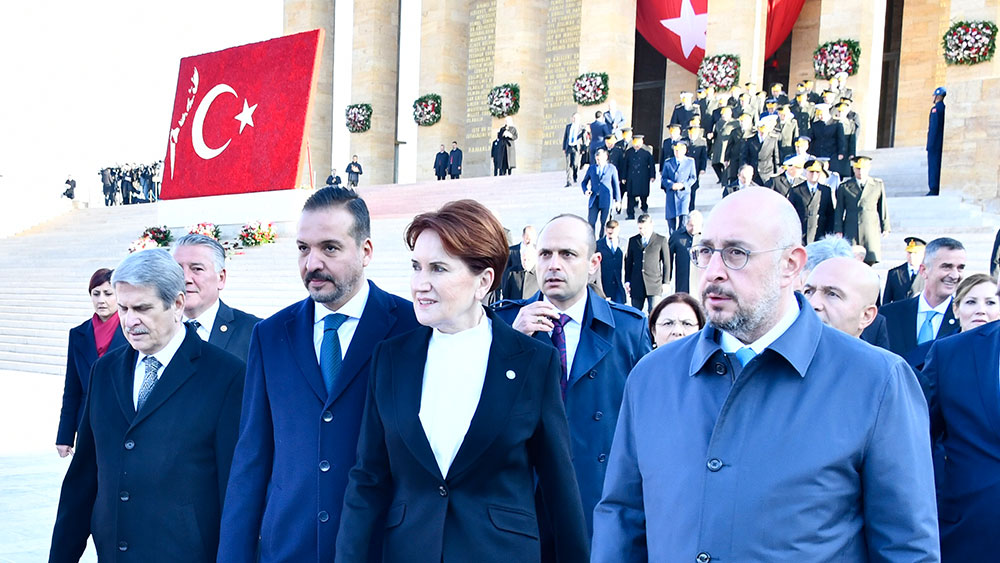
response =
{"points": [[935, 141]]}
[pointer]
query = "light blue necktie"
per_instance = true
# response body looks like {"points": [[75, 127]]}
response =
{"points": [[330, 357], [926, 333], [744, 355]]}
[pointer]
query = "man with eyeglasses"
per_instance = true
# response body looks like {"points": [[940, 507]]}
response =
{"points": [[768, 436]]}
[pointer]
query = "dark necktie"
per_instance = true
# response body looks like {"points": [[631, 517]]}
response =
{"points": [[559, 339], [148, 381], [330, 357]]}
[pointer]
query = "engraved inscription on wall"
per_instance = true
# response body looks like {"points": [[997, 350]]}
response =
{"points": [[482, 40], [562, 65]]}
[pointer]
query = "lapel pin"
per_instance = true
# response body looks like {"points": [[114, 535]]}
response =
{"points": [[511, 374], [223, 328], [951, 321]]}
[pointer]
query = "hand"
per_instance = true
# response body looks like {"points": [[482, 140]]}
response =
{"points": [[588, 192], [678, 186], [64, 450], [535, 317]]}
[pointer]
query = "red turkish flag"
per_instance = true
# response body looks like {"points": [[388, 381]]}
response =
{"points": [[675, 28], [241, 118]]}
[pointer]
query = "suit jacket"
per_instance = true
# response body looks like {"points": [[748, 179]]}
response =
{"points": [[282, 504], [598, 131], [575, 142], [681, 171], [354, 171], [899, 286], [612, 264], [815, 210], [613, 339], [603, 185], [518, 283], [232, 330], [80, 358], [960, 382], [679, 244], [782, 184], [149, 486], [901, 321], [484, 509], [647, 269]]}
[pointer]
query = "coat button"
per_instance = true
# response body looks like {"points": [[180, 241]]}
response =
{"points": [[720, 369], [592, 374], [442, 491], [123, 495], [598, 415], [714, 464], [323, 516], [129, 444], [703, 557], [122, 546], [602, 458], [327, 416], [324, 466]]}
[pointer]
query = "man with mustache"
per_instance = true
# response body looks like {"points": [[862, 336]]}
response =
{"points": [[307, 381], [767, 436], [599, 342], [928, 316]]}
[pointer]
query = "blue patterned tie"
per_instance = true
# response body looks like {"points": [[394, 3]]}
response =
{"points": [[330, 356], [926, 333], [559, 339], [148, 381], [744, 355]]}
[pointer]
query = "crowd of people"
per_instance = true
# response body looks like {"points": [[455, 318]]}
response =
{"points": [[125, 184], [354, 172]]}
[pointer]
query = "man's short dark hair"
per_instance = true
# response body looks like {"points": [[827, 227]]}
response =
{"points": [[644, 218], [454, 142], [598, 114], [938, 244], [611, 224], [335, 196]]}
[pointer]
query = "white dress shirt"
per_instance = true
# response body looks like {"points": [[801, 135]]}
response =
{"points": [[206, 320], [163, 356], [345, 333], [923, 306], [572, 329], [453, 384], [730, 344]]}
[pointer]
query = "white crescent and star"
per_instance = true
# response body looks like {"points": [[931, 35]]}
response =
{"points": [[245, 118], [690, 27]]}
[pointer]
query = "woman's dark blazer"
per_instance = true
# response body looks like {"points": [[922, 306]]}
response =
{"points": [[80, 357], [484, 510]]}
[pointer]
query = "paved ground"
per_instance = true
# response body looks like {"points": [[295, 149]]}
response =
{"points": [[30, 470]]}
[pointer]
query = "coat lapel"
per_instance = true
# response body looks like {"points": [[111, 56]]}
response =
{"points": [[86, 347], [300, 340], [123, 380], [221, 331], [593, 345], [949, 324], [909, 322], [986, 368], [407, 382], [377, 319], [177, 372]]}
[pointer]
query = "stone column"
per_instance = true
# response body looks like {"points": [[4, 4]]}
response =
{"points": [[562, 66], [969, 163], [518, 58], [373, 81], [607, 44], [444, 61], [739, 27], [866, 25], [921, 67], [805, 39], [306, 15]]}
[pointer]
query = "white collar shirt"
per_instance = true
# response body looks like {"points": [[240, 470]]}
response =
{"points": [[206, 321], [353, 309], [573, 328], [163, 356]]}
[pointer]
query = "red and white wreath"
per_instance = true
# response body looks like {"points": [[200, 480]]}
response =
{"points": [[719, 71]]}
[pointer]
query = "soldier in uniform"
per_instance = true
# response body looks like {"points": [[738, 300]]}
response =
{"points": [[813, 201], [736, 147], [803, 111], [790, 177], [770, 108], [724, 127], [802, 147], [851, 117], [935, 141], [672, 137], [684, 111], [904, 281], [761, 151], [640, 170], [862, 215], [816, 90], [788, 131], [778, 93]]}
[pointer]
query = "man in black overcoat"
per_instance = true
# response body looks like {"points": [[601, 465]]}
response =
{"points": [[640, 170]]}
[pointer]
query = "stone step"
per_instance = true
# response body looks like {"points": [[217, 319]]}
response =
{"points": [[45, 359], [32, 367]]}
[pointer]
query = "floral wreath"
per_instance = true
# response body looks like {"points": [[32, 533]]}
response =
{"points": [[969, 43], [504, 100], [160, 235], [256, 234], [206, 229], [837, 56], [590, 88], [427, 110], [719, 71], [359, 117]]}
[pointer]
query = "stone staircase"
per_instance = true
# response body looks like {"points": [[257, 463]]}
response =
{"points": [[45, 269]]}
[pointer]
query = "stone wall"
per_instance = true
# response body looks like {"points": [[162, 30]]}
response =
{"points": [[921, 67]]}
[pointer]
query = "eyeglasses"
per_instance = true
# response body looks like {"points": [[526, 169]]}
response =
{"points": [[734, 257], [671, 323]]}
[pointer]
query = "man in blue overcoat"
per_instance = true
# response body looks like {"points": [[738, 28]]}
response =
{"points": [[677, 177], [935, 141], [601, 186]]}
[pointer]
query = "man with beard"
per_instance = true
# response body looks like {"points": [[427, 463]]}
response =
{"points": [[306, 386], [724, 448]]}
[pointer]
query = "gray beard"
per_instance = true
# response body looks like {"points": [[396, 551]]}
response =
{"points": [[749, 324]]}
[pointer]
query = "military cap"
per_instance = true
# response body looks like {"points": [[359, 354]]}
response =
{"points": [[940, 91], [814, 166], [634, 137], [797, 161], [914, 243], [803, 139], [686, 94], [860, 161], [674, 126]]}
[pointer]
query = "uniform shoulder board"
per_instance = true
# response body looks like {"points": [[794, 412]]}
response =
{"points": [[632, 311]]}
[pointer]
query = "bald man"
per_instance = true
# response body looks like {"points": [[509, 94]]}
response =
{"points": [[767, 436], [843, 291]]}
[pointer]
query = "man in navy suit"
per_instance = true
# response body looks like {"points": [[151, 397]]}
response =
{"points": [[455, 161], [612, 263], [601, 185], [960, 382], [599, 130], [203, 260], [307, 381], [603, 341], [919, 320]]}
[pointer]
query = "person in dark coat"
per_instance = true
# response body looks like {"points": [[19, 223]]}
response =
{"points": [[640, 171], [88, 342], [506, 148], [828, 139], [813, 201], [601, 186], [616, 157], [736, 147], [647, 265], [674, 135], [935, 141], [679, 243], [723, 125], [333, 179], [455, 161], [862, 213], [149, 475], [790, 176], [440, 164], [612, 262], [685, 111], [802, 111], [572, 143], [599, 130], [697, 150], [465, 419], [904, 281], [495, 156], [354, 172]]}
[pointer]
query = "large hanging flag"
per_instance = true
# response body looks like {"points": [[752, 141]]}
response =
{"points": [[241, 118]]}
